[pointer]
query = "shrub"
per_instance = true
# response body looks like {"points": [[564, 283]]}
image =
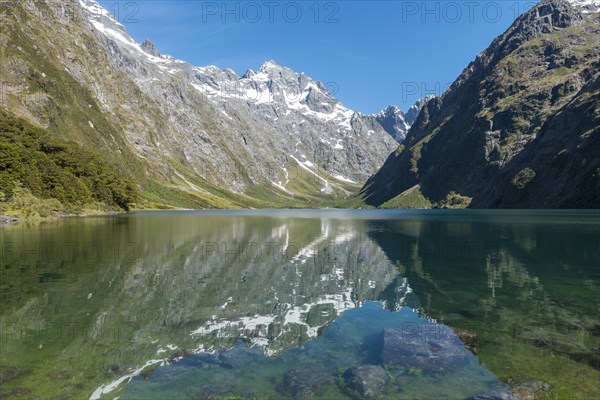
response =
{"points": [[52, 169]]}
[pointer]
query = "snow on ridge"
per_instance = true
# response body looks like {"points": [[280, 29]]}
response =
{"points": [[97, 14], [343, 179], [587, 6], [255, 87]]}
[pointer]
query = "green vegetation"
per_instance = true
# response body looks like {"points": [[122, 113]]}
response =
{"points": [[455, 200], [42, 176], [525, 176], [563, 71], [412, 199]]}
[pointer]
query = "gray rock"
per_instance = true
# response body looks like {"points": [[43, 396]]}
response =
{"points": [[10, 372], [397, 123], [369, 381], [529, 389], [302, 383], [431, 348], [494, 394], [238, 357], [150, 48], [212, 391], [16, 393], [8, 219]]}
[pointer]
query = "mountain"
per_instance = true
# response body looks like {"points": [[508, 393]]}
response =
{"points": [[396, 122], [187, 136], [519, 128]]}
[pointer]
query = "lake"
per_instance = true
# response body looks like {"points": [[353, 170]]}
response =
{"points": [[281, 304]]}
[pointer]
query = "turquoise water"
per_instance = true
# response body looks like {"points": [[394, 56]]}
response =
{"points": [[352, 340], [288, 304]]}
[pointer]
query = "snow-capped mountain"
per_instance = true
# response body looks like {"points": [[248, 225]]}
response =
{"points": [[393, 120], [254, 128], [396, 122]]}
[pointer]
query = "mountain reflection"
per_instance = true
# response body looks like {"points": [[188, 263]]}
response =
{"points": [[109, 299]]}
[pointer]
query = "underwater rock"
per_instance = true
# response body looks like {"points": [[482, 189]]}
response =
{"points": [[302, 383], [431, 348], [470, 339], [13, 393], [367, 380], [494, 394], [238, 357], [529, 389], [212, 391], [10, 372]]}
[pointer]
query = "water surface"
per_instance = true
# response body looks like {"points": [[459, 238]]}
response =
{"points": [[279, 303]]}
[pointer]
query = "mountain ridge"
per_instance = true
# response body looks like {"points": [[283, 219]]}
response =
{"points": [[269, 137], [396, 122], [480, 144]]}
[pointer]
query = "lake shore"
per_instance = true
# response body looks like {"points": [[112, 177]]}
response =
{"points": [[14, 219]]}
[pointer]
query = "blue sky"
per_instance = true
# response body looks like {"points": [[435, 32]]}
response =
{"points": [[372, 53]]}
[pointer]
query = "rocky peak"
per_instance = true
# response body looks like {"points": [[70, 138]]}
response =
{"points": [[413, 112], [546, 17], [396, 122], [551, 14], [150, 48], [249, 74], [99, 15], [391, 111], [270, 66]]}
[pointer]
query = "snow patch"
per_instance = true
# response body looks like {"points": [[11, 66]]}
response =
{"points": [[343, 179], [587, 6], [109, 387]]}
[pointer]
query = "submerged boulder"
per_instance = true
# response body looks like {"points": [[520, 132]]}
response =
{"points": [[470, 339], [213, 391], [369, 381], [302, 383], [529, 389], [494, 394], [430, 348]]}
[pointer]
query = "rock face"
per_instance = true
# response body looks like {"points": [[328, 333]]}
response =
{"points": [[518, 128], [397, 123], [369, 381], [436, 349], [199, 129]]}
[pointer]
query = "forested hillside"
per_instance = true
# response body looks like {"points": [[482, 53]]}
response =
{"points": [[44, 175]]}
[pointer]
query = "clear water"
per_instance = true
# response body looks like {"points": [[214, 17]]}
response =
{"points": [[282, 304]]}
